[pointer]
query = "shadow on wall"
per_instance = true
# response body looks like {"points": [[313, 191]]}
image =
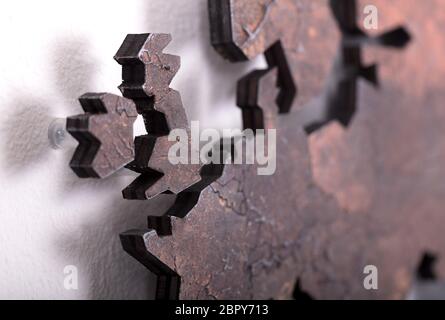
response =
{"points": [[95, 247], [111, 273], [73, 70], [25, 129]]}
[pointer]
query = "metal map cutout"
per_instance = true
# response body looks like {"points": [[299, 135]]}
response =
{"points": [[231, 233]]}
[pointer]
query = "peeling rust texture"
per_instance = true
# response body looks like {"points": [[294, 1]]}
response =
{"points": [[105, 135]]}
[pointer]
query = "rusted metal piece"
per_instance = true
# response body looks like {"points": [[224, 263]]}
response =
{"points": [[147, 74], [244, 29], [105, 135], [286, 32]]}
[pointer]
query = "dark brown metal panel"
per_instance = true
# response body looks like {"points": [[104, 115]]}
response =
{"points": [[105, 135]]}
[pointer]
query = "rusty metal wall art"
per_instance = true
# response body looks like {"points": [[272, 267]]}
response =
{"points": [[231, 233]]}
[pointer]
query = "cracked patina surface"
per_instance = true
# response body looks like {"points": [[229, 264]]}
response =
{"points": [[237, 242]]}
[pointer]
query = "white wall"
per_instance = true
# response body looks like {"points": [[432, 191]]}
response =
{"points": [[51, 53]]}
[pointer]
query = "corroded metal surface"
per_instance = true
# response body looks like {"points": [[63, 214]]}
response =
{"points": [[147, 74], [105, 135], [241, 240]]}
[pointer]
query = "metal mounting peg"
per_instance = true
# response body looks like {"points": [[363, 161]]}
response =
{"points": [[57, 134]]}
